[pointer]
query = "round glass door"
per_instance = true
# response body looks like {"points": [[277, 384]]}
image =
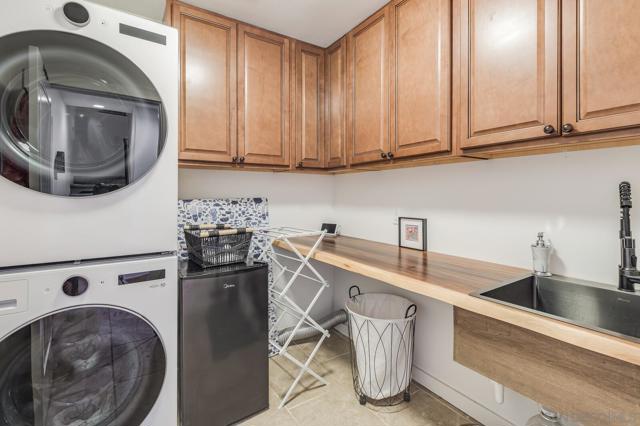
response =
{"points": [[77, 118], [91, 366]]}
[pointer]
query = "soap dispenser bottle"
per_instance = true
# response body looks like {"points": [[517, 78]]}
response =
{"points": [[541, 251]]}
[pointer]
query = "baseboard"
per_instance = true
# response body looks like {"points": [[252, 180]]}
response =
{"points": [[458, 399], [342, 329], [449, 394]]}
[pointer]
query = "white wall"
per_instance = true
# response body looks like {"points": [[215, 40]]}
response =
{"points": [[294, 199], [492, 210], [488, 210]]}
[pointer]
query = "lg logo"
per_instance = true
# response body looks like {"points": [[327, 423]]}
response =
{"points": [[226, 285]]}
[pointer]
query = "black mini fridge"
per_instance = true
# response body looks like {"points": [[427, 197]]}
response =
{"points": [[224, 365]]}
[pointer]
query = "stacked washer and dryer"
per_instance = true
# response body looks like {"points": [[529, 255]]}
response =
{"points": [[88, 189]]}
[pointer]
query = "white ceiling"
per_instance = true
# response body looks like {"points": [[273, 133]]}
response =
{"points": [[320, 22]]}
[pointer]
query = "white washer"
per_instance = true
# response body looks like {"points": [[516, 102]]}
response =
{"points": [[88, 133], [105, 356]]}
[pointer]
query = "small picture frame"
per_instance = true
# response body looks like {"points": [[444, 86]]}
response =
{"points": [[412, 233]]}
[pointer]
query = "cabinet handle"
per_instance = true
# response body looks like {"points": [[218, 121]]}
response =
{"points": [[383, 154], [549, 129], [300, 165], [390, 155], [241, 159], [567, 128], [234, 160]]}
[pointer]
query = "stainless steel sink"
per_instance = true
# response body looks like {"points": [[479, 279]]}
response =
{"points": [[587, 304]]}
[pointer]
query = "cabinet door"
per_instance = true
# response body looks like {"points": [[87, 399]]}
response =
{"points": [[335, 103], [601, 65], [368, 108], [309, 106], [508, 70], [263, 97], [207, 86], [420, 46]]}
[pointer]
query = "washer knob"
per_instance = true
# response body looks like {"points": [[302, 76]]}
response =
{"points": [[76, 13], [75, 286]]}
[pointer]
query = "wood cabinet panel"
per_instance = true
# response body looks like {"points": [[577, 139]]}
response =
{"points": [[601, 65], [309, 106], [420, 46], [594, 389], [368, 108], [207, 86], [509, 67], [335, 104], [263, 97]]}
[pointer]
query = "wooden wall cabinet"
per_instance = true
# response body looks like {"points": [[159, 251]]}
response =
{"points": [[420, 71], [263, 97], [601, 66], [335, 104], [309, 106], [208, 85], [508, 71], [419, 81], [368, 90]]}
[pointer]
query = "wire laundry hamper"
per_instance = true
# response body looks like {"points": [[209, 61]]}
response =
{"points": [[381, 331], [216, 245]]}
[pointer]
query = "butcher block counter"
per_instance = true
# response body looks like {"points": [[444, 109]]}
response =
{"points": [[452, 279]]}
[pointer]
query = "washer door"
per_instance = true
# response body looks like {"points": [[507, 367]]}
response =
{"points": [[77, 118], [88, 366]]}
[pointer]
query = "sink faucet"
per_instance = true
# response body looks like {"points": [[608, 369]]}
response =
{"points": [[627, 271]]}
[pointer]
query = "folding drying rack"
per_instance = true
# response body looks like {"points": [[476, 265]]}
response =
{"points": [[283, 281]]}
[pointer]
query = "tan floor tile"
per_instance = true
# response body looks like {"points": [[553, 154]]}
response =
{"points": [[335, 346], [337, 407], [282, 373], [273, 416], [423, 410], [338, 371], [314, 404]]}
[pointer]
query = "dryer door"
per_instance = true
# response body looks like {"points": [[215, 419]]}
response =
{"points": [[88, 366], [77, 118]]}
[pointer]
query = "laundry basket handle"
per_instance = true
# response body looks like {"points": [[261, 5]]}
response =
{"points": [[351, 296], [410, 313]]}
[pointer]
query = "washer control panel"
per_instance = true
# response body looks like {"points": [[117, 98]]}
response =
{"points": [[142, 277]]}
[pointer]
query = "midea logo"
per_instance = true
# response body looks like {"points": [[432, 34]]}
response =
{"points": [[229, 285]]}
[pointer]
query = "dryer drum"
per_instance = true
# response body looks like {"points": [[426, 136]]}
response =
{"points": [[89, 366], [77, 117]]}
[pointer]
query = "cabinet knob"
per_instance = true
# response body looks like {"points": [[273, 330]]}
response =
{"points": [[567, 128], [241, 159], [549, 129], [383, 154], [234, 160], [390, 155], [300, 165]]}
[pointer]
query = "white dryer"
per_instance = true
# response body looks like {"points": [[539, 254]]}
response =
{"points": [[88, 133], [90, 344]]}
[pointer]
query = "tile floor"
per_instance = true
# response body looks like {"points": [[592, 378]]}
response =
{"points": [[314, 404]]}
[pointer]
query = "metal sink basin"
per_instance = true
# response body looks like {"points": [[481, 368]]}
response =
{"points": [[587, 304]]}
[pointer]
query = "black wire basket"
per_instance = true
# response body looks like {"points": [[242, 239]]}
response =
{"points": [[217, 245]]}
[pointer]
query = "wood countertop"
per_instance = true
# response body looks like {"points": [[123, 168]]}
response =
{"points": [[452, 279]]}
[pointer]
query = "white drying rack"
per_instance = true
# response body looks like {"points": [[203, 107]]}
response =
{"points": [[283, 281]]}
